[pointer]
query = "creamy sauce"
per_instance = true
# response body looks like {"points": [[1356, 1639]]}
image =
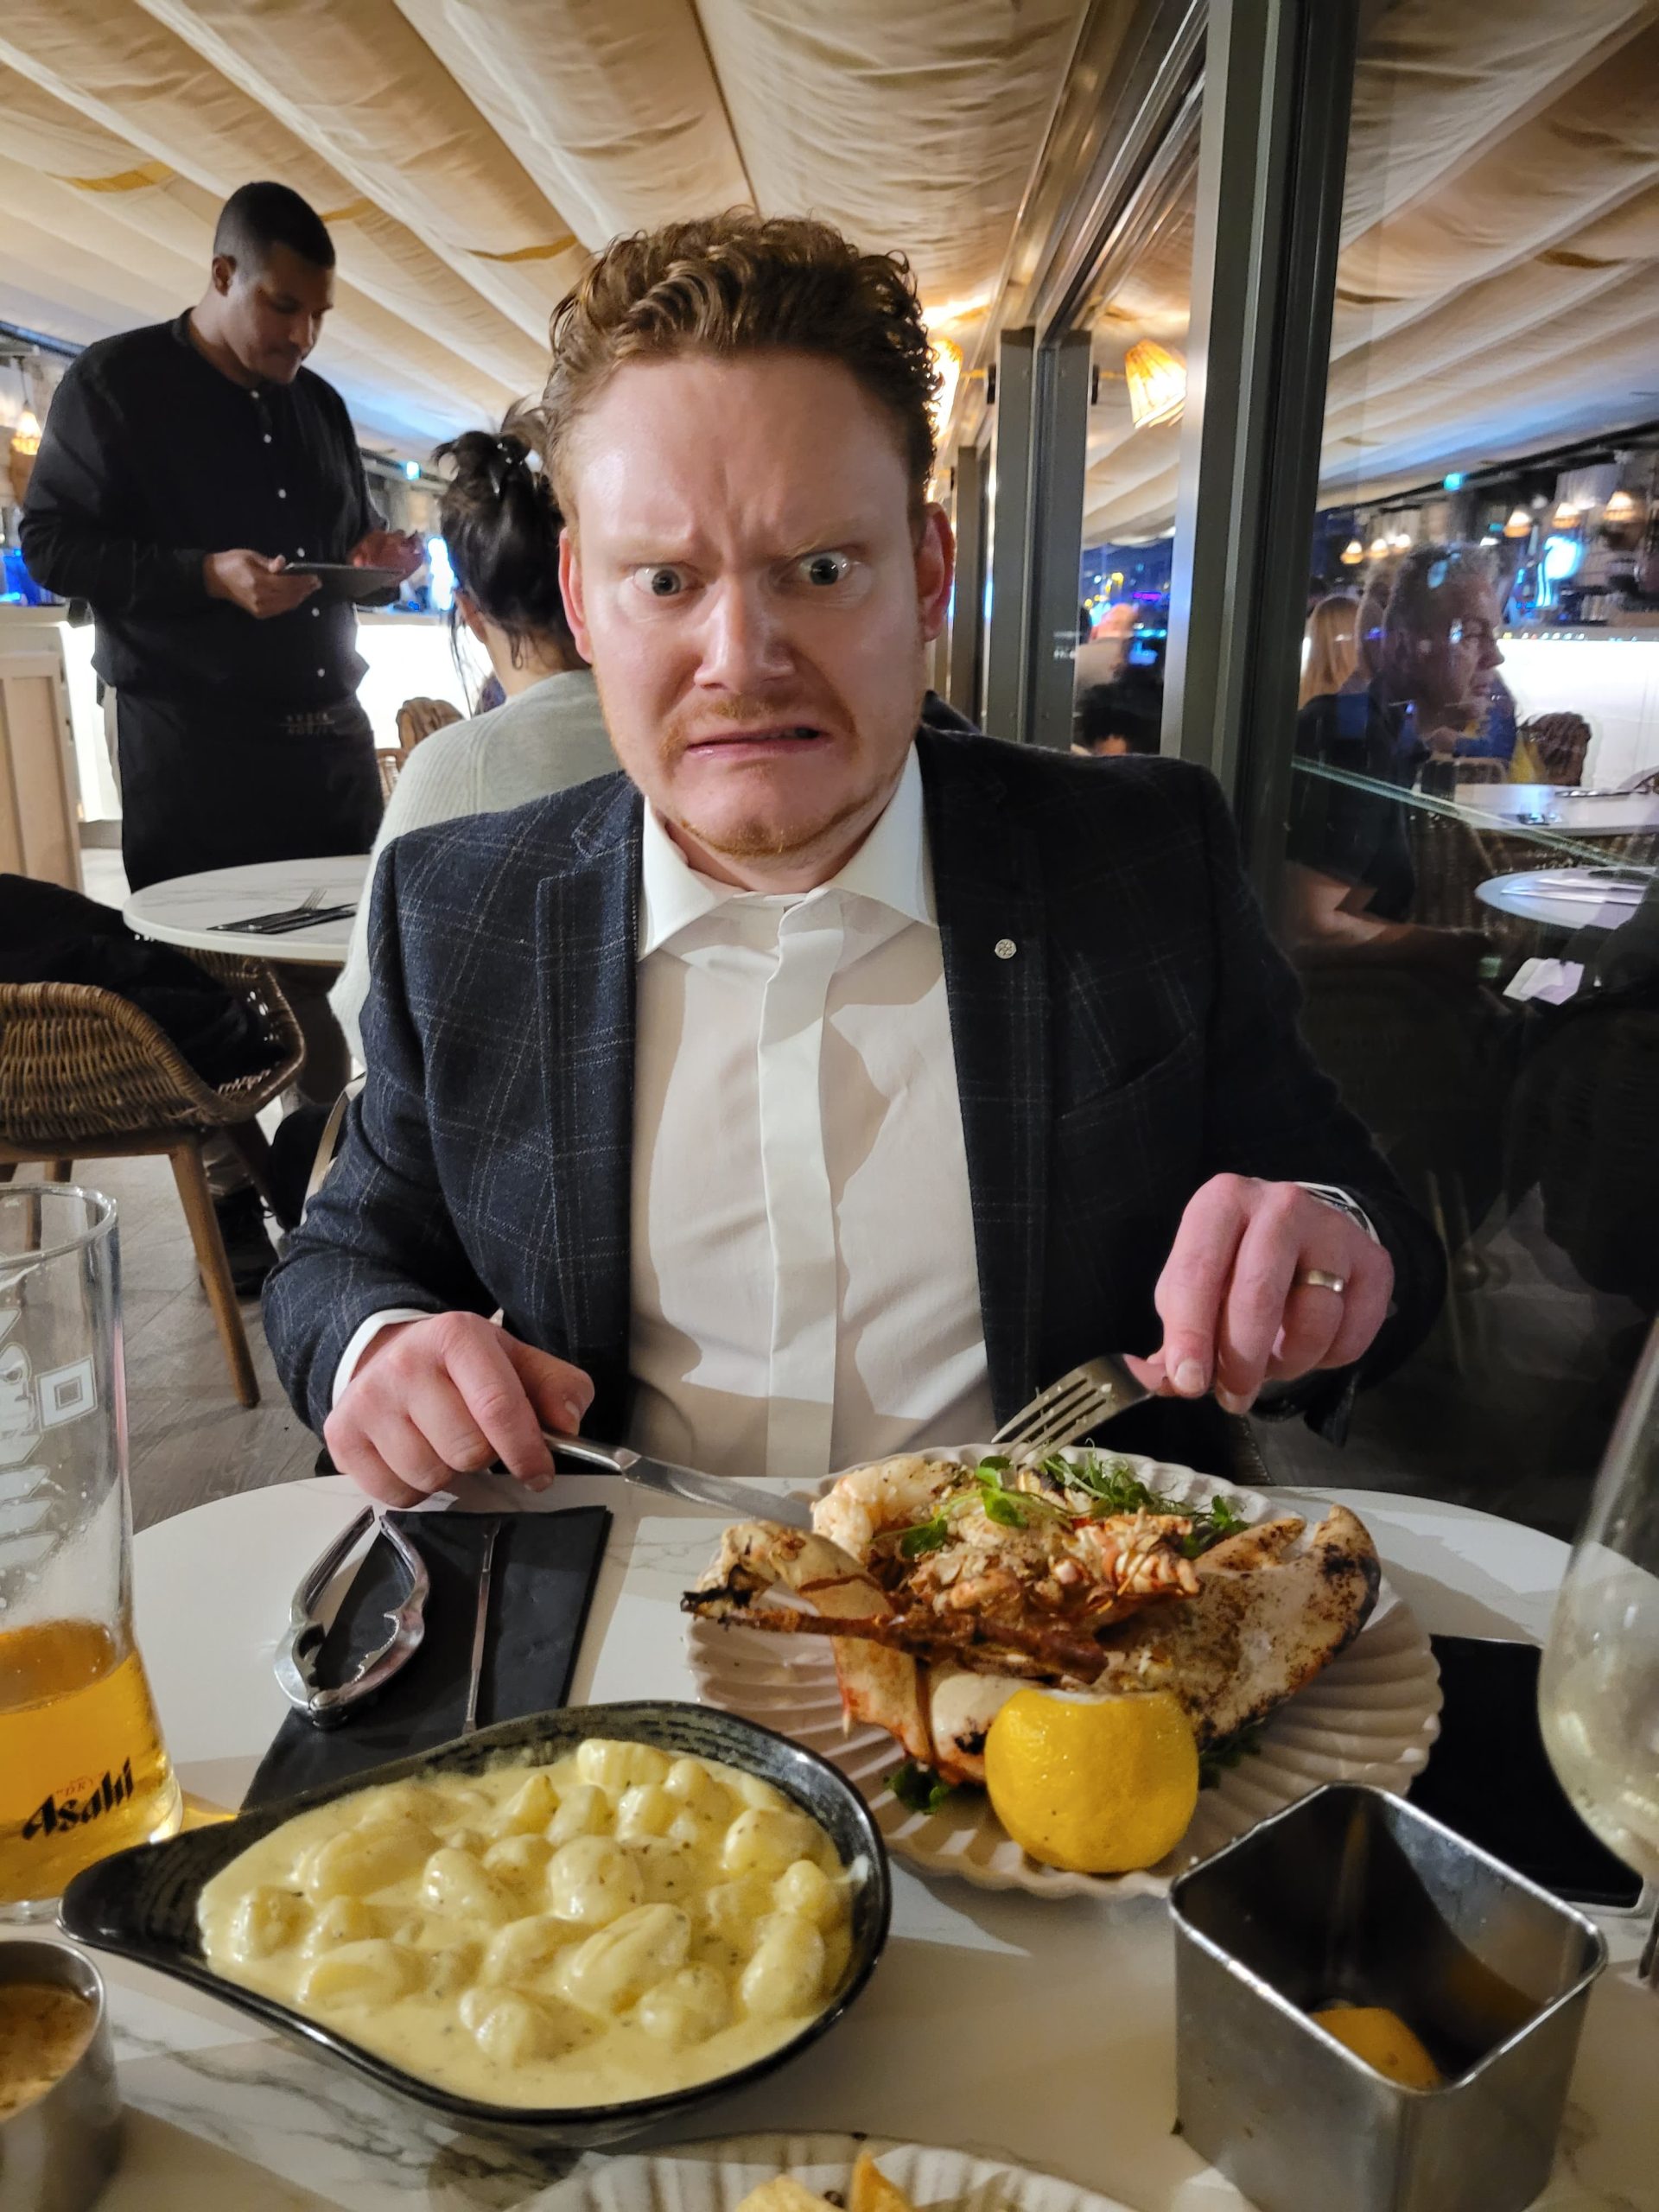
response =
{"points": [[43, 2030], [612, 1925]]}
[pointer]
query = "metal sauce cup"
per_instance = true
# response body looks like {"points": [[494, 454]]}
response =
{"points": [[57, 2152], [1351, 1896]]}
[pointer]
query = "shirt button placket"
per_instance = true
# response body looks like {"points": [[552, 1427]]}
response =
{"points": [[800, 1214]]}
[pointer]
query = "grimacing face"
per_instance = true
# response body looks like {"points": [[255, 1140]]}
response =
{"points": [[273, 310], [742, 567]]}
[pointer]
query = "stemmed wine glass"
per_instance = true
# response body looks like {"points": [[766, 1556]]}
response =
{"points": [[1599, 1689]]}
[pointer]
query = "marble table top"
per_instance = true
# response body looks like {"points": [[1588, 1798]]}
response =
{"points": [[1564, 898], [1565, 807], [187, 910], [1036, 2030]]}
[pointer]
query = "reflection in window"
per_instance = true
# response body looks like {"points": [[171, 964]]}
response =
{"points": [[1468, 878], [1138, 330]]}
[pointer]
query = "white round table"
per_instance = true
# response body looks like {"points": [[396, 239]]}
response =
{"points": [[186, 910], [1564, 898], [1031, 2030], [1565, 807]]}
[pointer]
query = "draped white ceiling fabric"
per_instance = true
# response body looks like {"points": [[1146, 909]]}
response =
{"points": [[469, 155], [1498, 290]]}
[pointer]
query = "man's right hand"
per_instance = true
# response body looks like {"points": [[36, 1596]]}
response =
{"points": [[260, 585], [452, 1393]]}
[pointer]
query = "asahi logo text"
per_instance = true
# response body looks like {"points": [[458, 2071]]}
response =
{"points": [[65, 1812]]}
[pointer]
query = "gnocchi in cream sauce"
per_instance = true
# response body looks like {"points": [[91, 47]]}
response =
{"points": [[617, 1924]]}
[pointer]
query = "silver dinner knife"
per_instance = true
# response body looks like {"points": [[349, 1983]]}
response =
{"points": [[745, 1501]]}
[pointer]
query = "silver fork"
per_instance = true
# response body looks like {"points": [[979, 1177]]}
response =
{"points": [[1098, 1390]]}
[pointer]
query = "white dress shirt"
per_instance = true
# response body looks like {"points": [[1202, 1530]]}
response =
{"points": [[806, 1290]]}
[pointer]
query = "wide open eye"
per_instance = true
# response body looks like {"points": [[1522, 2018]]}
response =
{"points": [[662, 581], [824, 570]]}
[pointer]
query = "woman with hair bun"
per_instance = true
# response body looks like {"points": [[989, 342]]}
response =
{"points": [[501, 523]]}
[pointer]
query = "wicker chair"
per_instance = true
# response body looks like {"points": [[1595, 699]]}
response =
{"points": [[418, 718], [1561, 741], [1480, 771], [84, 1075]]}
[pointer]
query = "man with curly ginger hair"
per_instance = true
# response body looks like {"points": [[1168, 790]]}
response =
{"points": [[826, 1083]]}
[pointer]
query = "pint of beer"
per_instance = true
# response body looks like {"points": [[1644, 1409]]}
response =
{"points": [[83, 1771]]}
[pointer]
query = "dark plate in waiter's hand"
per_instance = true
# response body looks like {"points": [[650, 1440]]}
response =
{"points": [[341, 580]]}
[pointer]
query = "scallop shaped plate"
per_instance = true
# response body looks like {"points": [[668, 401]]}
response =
{"points": [[716, 2177], [1371, 1716]]}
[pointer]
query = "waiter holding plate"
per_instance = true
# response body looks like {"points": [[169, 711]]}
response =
{"points": [[185, 470]]}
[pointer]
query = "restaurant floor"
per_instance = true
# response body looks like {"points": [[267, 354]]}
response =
{"points": [[1517, 1429]]}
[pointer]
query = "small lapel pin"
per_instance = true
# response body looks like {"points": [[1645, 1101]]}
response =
{"points": [[1006, 948]]}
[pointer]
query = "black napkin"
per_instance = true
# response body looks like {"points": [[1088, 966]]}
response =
{"points": [[541, 1582]]}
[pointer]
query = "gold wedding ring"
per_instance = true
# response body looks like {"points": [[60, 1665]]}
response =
{"points": [[1318, 1279]]}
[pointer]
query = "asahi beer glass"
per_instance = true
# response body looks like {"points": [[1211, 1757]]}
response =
{"points": [[83, 1770]]}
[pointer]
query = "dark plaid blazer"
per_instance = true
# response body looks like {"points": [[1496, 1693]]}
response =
{"points": [[1140, 1038]]}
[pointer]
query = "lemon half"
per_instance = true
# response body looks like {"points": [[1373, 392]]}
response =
{"points": [[1098, 1785]]}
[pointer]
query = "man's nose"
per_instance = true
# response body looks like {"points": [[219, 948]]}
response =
{"points": [[745, 642]]}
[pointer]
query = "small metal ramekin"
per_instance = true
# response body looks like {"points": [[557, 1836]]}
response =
{"points": [[58, 2152], [1353, 1895]]}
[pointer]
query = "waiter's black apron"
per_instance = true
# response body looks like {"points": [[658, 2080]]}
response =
{"points": [[206, 786]]}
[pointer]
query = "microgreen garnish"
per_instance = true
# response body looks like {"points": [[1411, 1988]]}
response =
{"points": [[926, 1537], [918, 1788], [1112, 1487]]}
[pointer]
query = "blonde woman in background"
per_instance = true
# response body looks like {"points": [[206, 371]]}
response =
{"points": [[1332, 647]]}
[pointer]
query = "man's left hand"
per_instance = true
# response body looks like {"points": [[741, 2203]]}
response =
{"points": [[389, 549], [1235, 1308]]}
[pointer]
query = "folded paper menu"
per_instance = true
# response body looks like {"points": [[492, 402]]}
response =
{"points": [[544, 1573]]}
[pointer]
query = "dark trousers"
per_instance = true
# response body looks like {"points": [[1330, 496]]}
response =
{"points": [[229, 784]]}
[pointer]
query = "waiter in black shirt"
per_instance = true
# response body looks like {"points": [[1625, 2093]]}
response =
{"points": [[183, 466]]}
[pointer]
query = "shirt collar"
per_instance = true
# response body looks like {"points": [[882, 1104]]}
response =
{"points": [[890, 868]]}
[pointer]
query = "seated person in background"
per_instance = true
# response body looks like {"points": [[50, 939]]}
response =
{"points": [[824, 1085], [1115, 719], [501, 523], [1332, 635], [1349, 876], [1101, 658]]}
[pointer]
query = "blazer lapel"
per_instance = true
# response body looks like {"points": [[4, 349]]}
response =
{"points": [[586, 914], [993, 933]]}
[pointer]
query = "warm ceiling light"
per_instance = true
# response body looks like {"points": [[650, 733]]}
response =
{"points": [[1519, 524], [947, 359], [1566, 516], [1399, 542], [1351, 554], [1157, 382], [1378, 549], [1620, 508], [26, 433]]}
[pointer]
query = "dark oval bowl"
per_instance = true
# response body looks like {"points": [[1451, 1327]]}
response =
{"points": [[141, 1904]]}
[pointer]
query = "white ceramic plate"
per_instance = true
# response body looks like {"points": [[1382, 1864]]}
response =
{"points": [[1371, 1716], [716, 2177]]}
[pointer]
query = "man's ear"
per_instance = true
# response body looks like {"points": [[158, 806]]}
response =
{"points": [[571, 589], [936, 569], [224, 270]]}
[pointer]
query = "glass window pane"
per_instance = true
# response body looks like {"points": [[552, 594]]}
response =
{"points": [[1467, 877], [1137, 322]]}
